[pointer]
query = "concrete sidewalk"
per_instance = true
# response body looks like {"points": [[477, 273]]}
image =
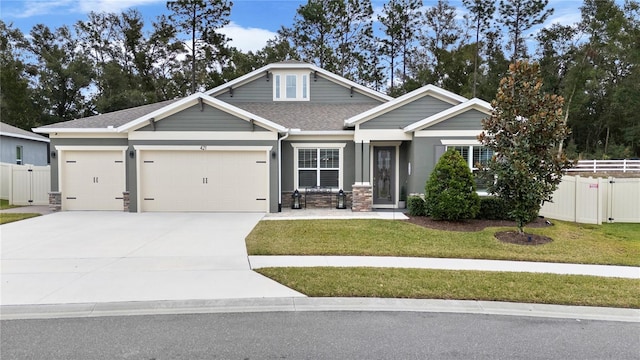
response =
{"points": [[629, 272]]}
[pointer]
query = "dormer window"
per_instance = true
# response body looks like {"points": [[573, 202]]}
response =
{"points": [[291, 86]]}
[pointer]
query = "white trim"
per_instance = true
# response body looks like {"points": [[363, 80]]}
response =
{"points": [[447, 133], [339, 146], [92, 135], [200, 148], [321, 137], [381, 135], [261, 72], [90, 148], [432, 90], [203, 135], [110, 129], [473, 104], [26, 137], [460, 142]]}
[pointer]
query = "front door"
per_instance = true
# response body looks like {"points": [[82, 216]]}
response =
{"points": [[384, 175]]}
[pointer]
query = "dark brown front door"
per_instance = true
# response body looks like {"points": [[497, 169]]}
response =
{"points": [[384, 167]]}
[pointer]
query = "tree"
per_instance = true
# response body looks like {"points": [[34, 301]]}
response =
{"points": [[519, 16], [200, 19], [450, 193], [481, 14], [524, 131]]}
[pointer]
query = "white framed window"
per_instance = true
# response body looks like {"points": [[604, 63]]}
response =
{"points": [[477, 158], [291, 86], [19, 154], [318, 165]]}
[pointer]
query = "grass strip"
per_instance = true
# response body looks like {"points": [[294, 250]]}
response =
{"points": [[607, 244], [4, 204], [460, 285], [11, 217]]}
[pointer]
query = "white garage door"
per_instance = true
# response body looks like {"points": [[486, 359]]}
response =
{"points": [[204, 181], [92, 180]]}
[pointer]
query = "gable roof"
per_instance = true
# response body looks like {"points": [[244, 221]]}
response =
{"points": [[297, 65], [129, 119], [431, 90], [14, 132], [474, 103]]}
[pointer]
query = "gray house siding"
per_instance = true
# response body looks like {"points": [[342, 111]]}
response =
{"points": [[77, 142], [408, 114], [349, 165], [469, 120], [321, 90], [33, 152], [273, 166], [209, 119]]}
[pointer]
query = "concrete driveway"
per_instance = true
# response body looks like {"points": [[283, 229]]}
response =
{"points": [[95, 257]]}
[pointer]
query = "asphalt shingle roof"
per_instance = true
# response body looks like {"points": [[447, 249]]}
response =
{"points": [[307, 116], [9, 130], [115, 119]]}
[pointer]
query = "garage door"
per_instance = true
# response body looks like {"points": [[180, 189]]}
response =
{"points": [[204, 181], [92, 180]]}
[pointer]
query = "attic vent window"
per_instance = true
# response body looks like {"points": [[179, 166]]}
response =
{"points": [[291, 86]]}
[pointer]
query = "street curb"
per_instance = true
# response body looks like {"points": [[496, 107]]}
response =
{"points": [[291, 304]]}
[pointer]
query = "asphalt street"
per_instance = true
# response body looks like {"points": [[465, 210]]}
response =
{"points": [[319, 335]]}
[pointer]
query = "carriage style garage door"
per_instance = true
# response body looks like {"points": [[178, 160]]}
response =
{"points": [[92, 180], [211, 180]]}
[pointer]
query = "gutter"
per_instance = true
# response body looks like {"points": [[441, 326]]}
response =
{"points": [[280, 170]]}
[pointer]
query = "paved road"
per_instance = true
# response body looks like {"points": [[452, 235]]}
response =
{"points": [[319, 335]]}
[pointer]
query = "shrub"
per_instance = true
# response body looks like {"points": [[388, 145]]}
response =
{"points": [[415, 204], [492, 208], [450, 191]]}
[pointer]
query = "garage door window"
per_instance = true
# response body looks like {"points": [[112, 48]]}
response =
{"points": [[318, 166]]}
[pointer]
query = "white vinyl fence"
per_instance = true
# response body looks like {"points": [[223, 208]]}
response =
{"points": [[25, 184], [595, 200], [606, 166]]}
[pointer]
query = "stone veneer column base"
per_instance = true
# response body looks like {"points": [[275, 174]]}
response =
{"points": [[362, 198], [55, 201], [126, 199]]}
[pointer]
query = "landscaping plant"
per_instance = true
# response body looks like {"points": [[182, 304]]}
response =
{"points": [[451, 191], [524, 131]]}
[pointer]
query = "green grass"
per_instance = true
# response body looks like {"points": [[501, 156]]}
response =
{"points": [[4, 204], [11, 217], [460, 285], [617, 244]]}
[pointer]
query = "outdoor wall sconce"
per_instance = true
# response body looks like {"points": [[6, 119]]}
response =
{"points": [[132, 153], [53, 154], [295, 199], [273, 154], [342, 200]]}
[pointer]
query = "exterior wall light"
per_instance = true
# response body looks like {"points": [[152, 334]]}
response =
{"points": [[342, 200], [295, 200]]}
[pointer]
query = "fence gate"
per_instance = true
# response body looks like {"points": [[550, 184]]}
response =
{"points": [[624, 200], [26, 184]]}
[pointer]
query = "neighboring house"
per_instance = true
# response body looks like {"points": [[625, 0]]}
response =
{"points": [[22, 147], [248, 144]]}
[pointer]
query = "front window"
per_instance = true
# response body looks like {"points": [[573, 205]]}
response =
{"points": [[477, 157], [318, 166], [19, 155]]}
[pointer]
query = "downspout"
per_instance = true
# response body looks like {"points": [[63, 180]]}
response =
{"points": [[280, 170]]}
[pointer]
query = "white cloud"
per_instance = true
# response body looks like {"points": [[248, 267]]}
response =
{"points": [[113, 5], [247, 39], [37, 8]]}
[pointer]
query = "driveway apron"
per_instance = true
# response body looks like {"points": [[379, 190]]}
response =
{"points": [[93, 257]]}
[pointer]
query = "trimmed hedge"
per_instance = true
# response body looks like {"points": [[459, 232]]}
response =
{"points": [[416, 206], [493, 208]]}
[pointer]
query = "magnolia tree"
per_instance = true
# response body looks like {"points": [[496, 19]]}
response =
{"points": [[525, 130]]}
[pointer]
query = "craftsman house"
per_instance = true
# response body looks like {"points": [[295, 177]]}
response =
{"points": [[249, 144]]}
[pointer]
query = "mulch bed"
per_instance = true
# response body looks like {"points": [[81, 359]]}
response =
{"points": [[511, 237]]}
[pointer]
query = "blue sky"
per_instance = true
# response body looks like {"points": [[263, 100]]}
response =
{"points": [[253, 22]]}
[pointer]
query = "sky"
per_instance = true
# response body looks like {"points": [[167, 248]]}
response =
{"points": [[252, 22]]}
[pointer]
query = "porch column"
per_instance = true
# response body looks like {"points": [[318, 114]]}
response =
{"points": [[363, 170]]}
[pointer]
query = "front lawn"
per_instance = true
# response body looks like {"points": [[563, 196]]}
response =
{"points": [[4, 204], [611, 244], [460, 285], [11, 217]]}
